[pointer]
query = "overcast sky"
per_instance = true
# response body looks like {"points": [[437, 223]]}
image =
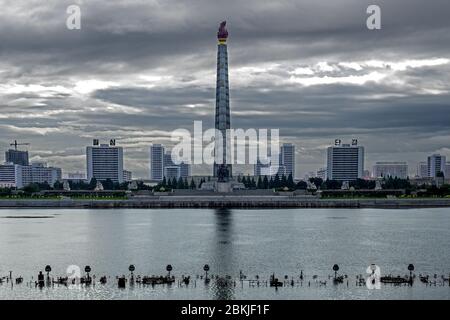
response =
{"points": [[139, 69]]}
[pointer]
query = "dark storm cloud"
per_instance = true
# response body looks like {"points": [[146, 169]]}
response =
{"points": [[139, 69]]}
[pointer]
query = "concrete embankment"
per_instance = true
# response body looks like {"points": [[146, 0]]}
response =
{"points": [[228, 202]]}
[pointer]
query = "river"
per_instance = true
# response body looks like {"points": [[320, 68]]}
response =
{"points": [[256, 242]]}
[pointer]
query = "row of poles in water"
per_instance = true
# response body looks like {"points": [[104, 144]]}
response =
{"points": [[373, 278]]}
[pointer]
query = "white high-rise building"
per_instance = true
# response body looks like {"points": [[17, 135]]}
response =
{"points": [[157, 162], [105, 162], [345, 162], [422, 170], [436, 164], [447, 170], [287, 158], [390, 169], [11, 175]]}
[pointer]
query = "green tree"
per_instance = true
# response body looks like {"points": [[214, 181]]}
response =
{"points": [[44, 186], [174, 183], [260, 184], [265, 183], [180, 183], [31, 188], [193, 186], [362, 184], [290, 182], [244, 181], [301, 185], [276, 181], [317, 181], [332, 184], [5, 191], [142, 186], [108, 184], [121, 186], [283, 182], [58, 185], [92, 184], [396, 183], [253, 183]]}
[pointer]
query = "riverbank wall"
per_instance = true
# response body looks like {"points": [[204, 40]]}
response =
{"points": [[226, 202]]}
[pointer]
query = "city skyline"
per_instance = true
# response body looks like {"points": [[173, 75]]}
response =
{"points": [[135, 81], [113, 165]]}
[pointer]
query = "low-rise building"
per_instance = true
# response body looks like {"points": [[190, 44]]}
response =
{"points": [[390, 169], [39, 172], [171, 172], [127, 176], [11, 175]]}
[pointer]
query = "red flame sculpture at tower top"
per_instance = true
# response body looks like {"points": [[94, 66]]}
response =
{"points": [[222, 34]]}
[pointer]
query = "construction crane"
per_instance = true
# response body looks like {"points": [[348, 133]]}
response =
{"points": [[15, 144]]}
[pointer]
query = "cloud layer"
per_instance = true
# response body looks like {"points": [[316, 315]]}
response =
{"points": [[139, 69]]}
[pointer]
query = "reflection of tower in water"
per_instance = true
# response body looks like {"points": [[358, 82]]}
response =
{"points": [[222, 287]]}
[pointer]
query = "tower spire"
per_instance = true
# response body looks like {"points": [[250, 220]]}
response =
{"points": [[222, 119]]}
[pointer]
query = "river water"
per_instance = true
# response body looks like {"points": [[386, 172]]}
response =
{"points": [[256, 242]]}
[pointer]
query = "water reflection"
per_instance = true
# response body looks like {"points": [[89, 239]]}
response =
{"points": [[222, 287]]}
